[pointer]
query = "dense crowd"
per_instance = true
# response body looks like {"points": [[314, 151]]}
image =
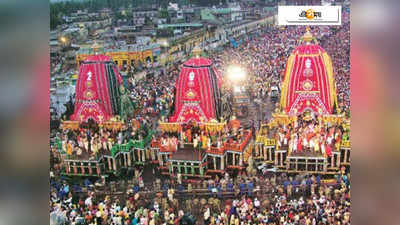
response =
{"points": [[274, 199], [264, 55], [277, 199], [152, 97], [308, 135], [232, 133], [338, 47], [94, 141], [154, 94]]}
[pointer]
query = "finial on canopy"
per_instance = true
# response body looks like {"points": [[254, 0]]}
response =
{"points": [[308, 37], [196, 51], [95, 47]]}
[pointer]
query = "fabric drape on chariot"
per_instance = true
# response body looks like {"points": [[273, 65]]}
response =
{"points": [[268, 141], [310, 67], [212, 127], [197, 94], [112, 124], [97, 90], [170, 127], [73, 125]]}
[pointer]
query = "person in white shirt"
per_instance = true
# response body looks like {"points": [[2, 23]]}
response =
{"points": [[207, 215], [88, 201], [256, 203]]}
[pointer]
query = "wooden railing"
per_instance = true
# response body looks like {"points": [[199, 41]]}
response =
{"points": [[216, 151], [345, 144], [239, 146], [266, 141], [157, 144]]}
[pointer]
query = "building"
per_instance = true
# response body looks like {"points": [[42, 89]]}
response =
{"points": [[140, 15], [131, 55], [125, 31], [223, 15]]}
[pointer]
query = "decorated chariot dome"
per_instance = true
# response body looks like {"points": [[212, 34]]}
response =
{"points": [[197, 91], [97, 90], [308, 82]]}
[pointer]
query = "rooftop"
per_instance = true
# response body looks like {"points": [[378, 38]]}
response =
{"points": [[130, 48], [162, 26]]}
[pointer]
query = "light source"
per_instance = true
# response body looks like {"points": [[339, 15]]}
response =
{"points": [[164, 43], [236, 73]]}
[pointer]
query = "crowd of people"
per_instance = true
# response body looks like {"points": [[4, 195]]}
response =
{"points": [[278, 199], [338, 47], [264, 56], [91, 140], [152, 97], [154, 94], [232, 133], [311, 135], [272, 199]]}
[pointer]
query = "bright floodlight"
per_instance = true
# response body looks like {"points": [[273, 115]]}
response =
{"points": [[237, 89], [165, 43], [236, 73], [63, 39]]}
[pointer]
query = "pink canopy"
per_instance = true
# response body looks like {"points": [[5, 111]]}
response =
{"points": [[308, 82], [197, 92], [97, 90]]}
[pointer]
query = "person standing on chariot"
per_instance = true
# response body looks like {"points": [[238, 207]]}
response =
{"points": [[290, 147], [278, 142], [64, 142], [195, 141], [69, 148], [94, 145], [317, 144], [305, 142], [163, 141], [79, 140], [300, 144], [119, 138], [286, 138], [175, 143], [281, 137], [294, 143], [204, 141], [189, 135], [323, 144], [311, 144], [170, 143], [219, 143], [104, 141], [110, 143], [85, 143], [209, 143], [183, 138]]}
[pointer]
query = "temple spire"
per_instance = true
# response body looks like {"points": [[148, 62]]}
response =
{"points": [[196, 51], [308, 37], [95, 47]]}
